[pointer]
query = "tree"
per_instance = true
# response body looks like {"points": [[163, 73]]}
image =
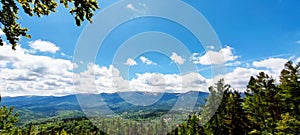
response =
{"points": [[290, 88], [289, 125], [289, 96], [7, 119], [261, 104], [216, 104], [235, 117], [230, 117], [81, 10]]}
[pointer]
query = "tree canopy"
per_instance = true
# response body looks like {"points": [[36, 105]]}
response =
{"points": [[9, 14]]}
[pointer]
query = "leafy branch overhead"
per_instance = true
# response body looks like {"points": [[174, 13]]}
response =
{"points": [[81, 10]]}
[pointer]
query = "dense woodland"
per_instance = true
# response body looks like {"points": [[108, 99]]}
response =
{"points": [[266, 107]]}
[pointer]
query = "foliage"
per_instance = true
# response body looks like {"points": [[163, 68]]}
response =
{"points": [[81, 10], [216, 106], [288, 125], [230, 118], [261, 103], [290, 87], [7, 119], [235, 119]]}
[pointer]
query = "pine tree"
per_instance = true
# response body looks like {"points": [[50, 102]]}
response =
{"points": [[7, 119], [261, 104], [216, 104], [230, 118], [289, 96], [235, 117], [290, 89]]}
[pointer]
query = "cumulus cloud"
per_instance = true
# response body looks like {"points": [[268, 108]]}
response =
{"points": [[213, 57], [26, 74], [98, 79], [273, 64], [23, 73], [147, 61], [130, 62], [157, 82], [43, 46], [240, 77], [154, 82], [176, 58]]}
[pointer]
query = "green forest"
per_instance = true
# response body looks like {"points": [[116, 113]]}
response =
{"points": [[267, 107]]}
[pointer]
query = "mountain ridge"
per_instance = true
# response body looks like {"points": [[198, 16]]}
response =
{"points": [[48, 107]]}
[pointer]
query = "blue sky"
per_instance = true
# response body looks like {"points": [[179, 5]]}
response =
{"points": [[245, 25], [255, 36]]}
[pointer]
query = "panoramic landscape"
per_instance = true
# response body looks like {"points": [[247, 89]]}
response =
{"points": [[133, 67]]}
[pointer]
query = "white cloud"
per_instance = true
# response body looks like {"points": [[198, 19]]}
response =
{"points": [[213, 57], [27, 74], [1, 32], [298, 60], [98, 79], [22, 73], [298, 42], [101, 79], [43, 46], [239, 77], [157, 82], [176, 58], [273, 64], [194, 81], [147, 61], [130, 62]]}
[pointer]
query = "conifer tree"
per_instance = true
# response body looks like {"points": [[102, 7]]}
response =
{"points": [[216, 124], [290, 89], [261, 104], [289, 96], [235, 117], [7, 119]]}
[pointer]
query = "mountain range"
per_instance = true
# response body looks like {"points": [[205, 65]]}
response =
{"points": [[32, 108]]}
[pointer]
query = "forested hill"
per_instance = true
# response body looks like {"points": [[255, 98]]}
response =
{"points": [[48, 107]]}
